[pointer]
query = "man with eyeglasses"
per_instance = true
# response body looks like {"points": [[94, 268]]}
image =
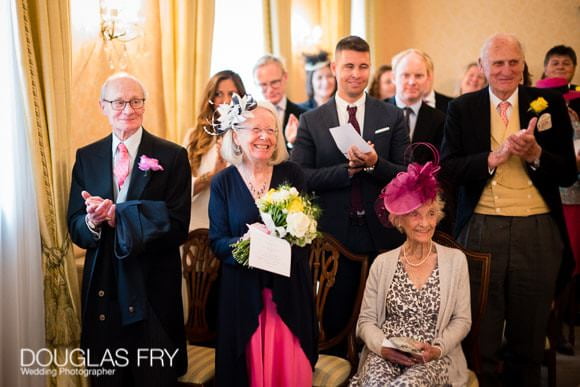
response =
{"points": [[272, 78], [129, 207]]}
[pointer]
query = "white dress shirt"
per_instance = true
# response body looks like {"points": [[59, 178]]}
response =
{"points": [[341, 106]]}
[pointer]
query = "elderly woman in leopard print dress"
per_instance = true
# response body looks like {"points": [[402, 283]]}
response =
{"points": [[418, 292]]}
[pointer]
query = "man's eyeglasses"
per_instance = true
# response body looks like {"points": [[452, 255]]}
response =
{"points": [[273, 84], [118, 104]]}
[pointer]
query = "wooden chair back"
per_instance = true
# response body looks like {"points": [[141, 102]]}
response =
{"points": [[478, 263], [200, 269], [325, 253]]}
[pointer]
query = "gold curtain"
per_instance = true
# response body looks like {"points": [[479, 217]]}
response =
{"points": [[44, 30], [186, 44], [335, 21]]}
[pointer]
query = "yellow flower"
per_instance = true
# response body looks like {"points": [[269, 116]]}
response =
{"points": [[538, 105], [577, 88], [296, 205], [268, 197]]}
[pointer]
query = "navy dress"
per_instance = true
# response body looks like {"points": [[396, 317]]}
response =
{"points": [[231, 209]]}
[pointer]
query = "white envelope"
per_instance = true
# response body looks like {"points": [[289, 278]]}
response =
{"points": [[344, 136], [269, 253]]}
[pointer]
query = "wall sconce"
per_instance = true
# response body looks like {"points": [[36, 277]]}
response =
{"points": [[121, 23]]}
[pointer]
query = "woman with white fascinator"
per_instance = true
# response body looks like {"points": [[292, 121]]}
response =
{"points": [[267, 334]]}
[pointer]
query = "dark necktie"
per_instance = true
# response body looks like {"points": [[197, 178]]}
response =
{"points": [[352, 118], [407, 111], [356, 204]]}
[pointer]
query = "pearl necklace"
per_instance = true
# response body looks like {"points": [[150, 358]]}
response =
{"points": [[422, 261]]}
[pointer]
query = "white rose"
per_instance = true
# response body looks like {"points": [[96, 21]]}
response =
{"points": [[280, 196], [298, 224]]}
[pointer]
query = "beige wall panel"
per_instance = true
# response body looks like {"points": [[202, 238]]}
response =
{"points": [[91, 68], [452, 31]]}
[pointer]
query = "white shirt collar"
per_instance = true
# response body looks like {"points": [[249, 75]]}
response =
{"points": [[414, 107], [341, 104], [281, 105], [430, 98], [132, 143], [495, 100]]}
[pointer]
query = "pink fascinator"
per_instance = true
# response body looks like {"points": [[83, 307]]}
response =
{"points": [[411, 189], [560, 85]]}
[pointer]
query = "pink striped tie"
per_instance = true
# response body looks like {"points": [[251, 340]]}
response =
{"points": [[121, 169], [503, 108]]}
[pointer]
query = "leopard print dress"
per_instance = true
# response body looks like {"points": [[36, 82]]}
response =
{"points": [[411, 313]]}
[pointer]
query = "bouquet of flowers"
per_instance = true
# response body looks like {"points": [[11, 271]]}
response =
{"points": [[286, 214]]}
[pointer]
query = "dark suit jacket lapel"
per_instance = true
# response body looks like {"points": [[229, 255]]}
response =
{"points": [[371, 116], [422, 125], [482, 132], [103, 168], [139, 178], [524, 99], [329, 114]]}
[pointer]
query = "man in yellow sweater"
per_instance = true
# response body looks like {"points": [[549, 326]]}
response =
{"points": [[509, 204]]}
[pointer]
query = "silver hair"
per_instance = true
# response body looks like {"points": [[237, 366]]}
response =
{"points": [[121, 75], [232, 153], [493, 39], [399, 57], [439, 204], [267, 59]]}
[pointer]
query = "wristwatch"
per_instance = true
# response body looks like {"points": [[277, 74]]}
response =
{"points": [[371, 168]]}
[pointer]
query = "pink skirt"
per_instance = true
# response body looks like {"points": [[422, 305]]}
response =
{"points": [[274, 356]]}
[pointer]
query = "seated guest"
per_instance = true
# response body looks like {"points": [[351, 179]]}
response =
{"points": [[419, 291], [411, 73], [267, 333], [473, 79], [272, 78], [560, 62], [431, 97], [320, 82], [383, 85], [203, 148]]}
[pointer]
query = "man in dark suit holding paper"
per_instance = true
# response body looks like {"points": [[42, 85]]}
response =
{"points": [[129, 207], [347, 187]]}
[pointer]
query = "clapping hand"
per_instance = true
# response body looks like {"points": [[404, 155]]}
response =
{"points": [[99, 210], [524, 145], [359, 160], [291, 129]]}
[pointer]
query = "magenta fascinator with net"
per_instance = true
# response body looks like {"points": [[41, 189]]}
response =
{"points": [[411, 189]]}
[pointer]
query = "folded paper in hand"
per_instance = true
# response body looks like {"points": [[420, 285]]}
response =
{"points": [[403, 344], [269, 253], [344, 136]]}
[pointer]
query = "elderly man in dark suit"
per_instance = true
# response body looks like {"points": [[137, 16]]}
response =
{"points": [[129, 207], [272, 78], [509, 203], [347, 188]]}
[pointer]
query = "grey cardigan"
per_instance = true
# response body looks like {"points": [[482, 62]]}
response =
{"points": [[454, 319]]}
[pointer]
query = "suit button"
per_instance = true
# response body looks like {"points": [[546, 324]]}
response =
{"points": [[131, 309], [101, 293], [102, 317]]}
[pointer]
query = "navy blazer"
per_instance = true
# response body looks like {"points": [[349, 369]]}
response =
{"points": [[143, 273], [467, 144], [325, 166]]}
